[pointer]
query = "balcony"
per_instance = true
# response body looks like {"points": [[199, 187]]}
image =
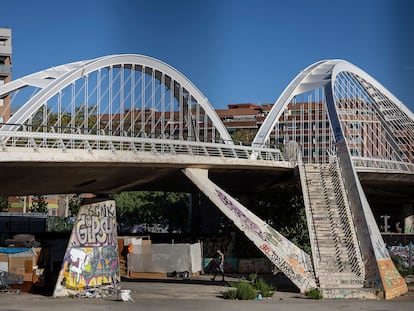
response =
{"points": [[5, 50], [5, 69]]}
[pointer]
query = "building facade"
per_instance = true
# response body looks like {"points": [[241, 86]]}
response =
{"points": [[5, 70]]}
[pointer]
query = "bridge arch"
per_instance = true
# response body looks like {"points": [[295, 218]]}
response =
{"points": [[147, 91], [333, 100]]}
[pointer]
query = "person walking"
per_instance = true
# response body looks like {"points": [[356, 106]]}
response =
{"points": [[218, 264]]}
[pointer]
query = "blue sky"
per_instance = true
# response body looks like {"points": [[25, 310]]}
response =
{"points": [[233, 51]]}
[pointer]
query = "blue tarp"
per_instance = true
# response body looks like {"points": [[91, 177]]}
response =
{"points": [[13, 250]]}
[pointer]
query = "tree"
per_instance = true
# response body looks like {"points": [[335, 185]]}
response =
{"points": [[244, 136], [74, 204], [153, 207], [39, 204], [4, 204], [285, 211]]}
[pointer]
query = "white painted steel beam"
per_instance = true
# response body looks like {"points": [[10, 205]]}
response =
{"points": [[286, 256]]}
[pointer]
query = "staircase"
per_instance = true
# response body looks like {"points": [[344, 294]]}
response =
{"points": [[336, 255]]}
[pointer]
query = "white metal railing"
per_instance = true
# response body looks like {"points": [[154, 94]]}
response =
{"points": [[350, 238], [377, 165], [47, 140]]}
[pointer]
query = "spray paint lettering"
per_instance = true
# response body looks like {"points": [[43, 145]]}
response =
{"points": [[96, 226], [244, 219]]}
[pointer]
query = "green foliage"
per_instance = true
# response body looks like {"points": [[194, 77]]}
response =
{"points": [[74, 204], [83, 119], [402, 265], [230, 294], [314, 293], [153, 207], [261, 286], [252, 277], [264, 288], [39, 204], [4, 204], [244, 290], [59, 224], [248, 290], [285, 212], [243, 136]]}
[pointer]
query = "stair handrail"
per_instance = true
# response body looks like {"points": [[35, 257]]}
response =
{"points": [[308, 211]]}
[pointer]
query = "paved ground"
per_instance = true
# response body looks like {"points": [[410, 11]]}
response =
{"points": [[197, 294]]}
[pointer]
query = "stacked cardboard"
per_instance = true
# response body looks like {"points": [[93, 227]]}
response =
{"points": [[22, 263]]}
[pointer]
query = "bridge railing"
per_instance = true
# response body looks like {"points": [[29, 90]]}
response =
{"points": [[47, 140], [381, 165]]}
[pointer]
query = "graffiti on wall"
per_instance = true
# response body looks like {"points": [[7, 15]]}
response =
{"points": [[90, 266], [91, 258], [404, 252]]}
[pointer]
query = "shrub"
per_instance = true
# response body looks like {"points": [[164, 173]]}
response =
{"points": [[314, 293], [230, 294], [401, 265], [243, 291], [265, 289], [248, 290]]}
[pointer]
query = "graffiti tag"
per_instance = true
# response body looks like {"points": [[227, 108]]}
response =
{"points": [[243, 217], [96, 225]]}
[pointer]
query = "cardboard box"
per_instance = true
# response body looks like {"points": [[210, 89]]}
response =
{"points": [[37, 276], [22, 266], [4, 258]]}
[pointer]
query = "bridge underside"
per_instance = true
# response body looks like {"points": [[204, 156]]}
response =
{"points": [[48, 178], [386, 192]]}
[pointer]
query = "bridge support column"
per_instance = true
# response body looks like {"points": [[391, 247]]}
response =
{"points": [[91, 258], [286, 256]]}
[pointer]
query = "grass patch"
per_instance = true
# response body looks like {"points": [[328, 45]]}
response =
{"points": [[249, 289], [314, 293]]}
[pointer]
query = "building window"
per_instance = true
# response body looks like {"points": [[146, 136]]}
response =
{"points": [[2, 42], [1, 119], [1, 102]]}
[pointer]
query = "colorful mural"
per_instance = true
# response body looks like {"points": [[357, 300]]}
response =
{"points": [[405, 252], [393, 283], [91, 258]]}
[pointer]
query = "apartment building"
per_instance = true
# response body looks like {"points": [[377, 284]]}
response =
{"points": [[5, 70]]}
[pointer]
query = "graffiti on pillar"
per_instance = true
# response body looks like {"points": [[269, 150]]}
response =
{"points": [[284, 254], [246, 221], [96, 226], [90, 266], [393, 283], [91, 257]]}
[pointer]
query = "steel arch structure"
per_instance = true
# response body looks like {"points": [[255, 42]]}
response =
{"points": [[341, 101], [126, 90], [337, 113]]}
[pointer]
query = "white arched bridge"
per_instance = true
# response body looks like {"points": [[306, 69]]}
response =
{"points": [[128, 122]]}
